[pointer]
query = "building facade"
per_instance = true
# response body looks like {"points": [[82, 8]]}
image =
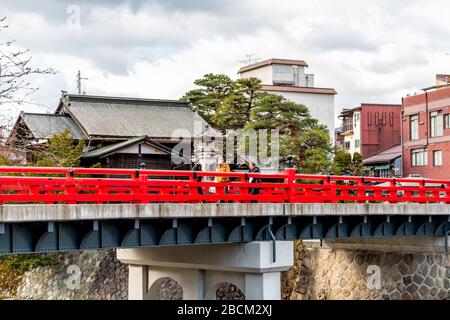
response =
{"points": [[426, 133], [288, 79], [339, 138], [370, 128]]}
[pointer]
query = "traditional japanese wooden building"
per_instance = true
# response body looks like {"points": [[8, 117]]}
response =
{"points": [[120, 132]]}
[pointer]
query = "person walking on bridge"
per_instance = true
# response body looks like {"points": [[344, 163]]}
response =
{"points": [[222, 166], [195, 168], [254, 169]]}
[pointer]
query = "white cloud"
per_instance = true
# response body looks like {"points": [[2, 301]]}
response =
{"points": [[371, 51]]}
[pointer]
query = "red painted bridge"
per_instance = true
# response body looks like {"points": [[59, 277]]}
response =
{"points": [[87, 185], [60, 209]]}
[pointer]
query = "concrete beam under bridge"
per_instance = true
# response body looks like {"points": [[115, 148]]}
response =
{"points": [[200, 270], [67, 212], [392, 244]]}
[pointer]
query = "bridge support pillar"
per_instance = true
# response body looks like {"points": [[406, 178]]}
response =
{"points": [[201, 269], [138, 275], [263, 286]]}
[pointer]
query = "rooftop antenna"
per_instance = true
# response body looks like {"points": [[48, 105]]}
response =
{"points": [[249, 60], [79, 78]]}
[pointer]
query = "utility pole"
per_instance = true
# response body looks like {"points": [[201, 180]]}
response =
{"points": [[79, 78]]}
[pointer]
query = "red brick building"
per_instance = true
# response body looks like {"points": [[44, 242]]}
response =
{"points": [[426, 133], [370, 128]]}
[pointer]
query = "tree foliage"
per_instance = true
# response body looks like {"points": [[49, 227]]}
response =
{"points": [[357, 168], [206, 100], [300, 134], [344, 163], [240, 104], [4, 161], [222, 102], [316, 161], [235, 110], [59, 151], [27, 262]]}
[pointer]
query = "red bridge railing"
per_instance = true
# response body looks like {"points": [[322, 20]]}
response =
{"points": [[87, 185]]}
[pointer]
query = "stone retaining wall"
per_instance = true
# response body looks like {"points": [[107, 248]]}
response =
{"points": [[100, 276], [318, 273], [325, 273]]}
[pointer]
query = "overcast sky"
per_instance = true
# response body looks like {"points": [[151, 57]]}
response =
{"points": [[369, 51]]}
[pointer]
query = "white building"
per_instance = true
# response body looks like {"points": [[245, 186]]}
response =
{"points": [[288, 78], [351, 130]]}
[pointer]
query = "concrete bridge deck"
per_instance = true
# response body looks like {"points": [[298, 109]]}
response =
{"points": [[68, 212], [61, 227]]}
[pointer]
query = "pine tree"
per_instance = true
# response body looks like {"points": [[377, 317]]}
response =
{"points": [[300, 134], [240, 104], [206, 100], [342, 162], [357, 168], [234, 112]]}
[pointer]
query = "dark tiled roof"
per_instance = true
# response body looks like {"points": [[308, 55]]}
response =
{"points": [[130, 117], [384, 156], [97, 153], [43, 126]]}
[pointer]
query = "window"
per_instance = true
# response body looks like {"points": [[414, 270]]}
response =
{"points": [[356, 118], [281, 68], [283, 74], [447, 121], [419, 157], [348, 124], [369, 118], [414, 127], [347, 145], [437, 158], [357, 143], [436, 124], [391, 119]]}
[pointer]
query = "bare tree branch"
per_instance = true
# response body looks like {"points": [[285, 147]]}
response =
{"points": [[15, 69]]}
